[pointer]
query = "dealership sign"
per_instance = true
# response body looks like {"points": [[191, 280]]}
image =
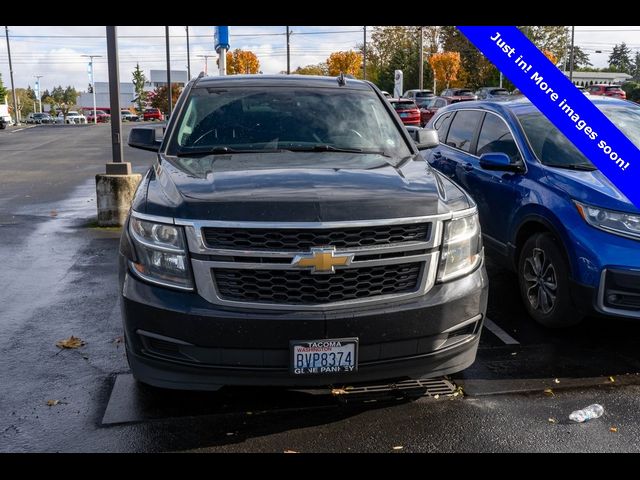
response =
{"points": [[562, 103]]}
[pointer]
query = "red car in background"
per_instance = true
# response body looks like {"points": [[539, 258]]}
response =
{"points": [[407, 110], [430, 106], [607, 90], [152, 114], [101, 116]]}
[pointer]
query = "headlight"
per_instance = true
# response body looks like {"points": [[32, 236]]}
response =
{"points": [[461, 248], [162, 255], [619, 223]]}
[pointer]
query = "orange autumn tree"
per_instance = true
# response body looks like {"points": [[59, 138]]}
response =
{"points": [[446, 66], [348, 62], [552, 58], [242, 61]]}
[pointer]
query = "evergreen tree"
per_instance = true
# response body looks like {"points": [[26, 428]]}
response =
{"points": [[620, 59]]}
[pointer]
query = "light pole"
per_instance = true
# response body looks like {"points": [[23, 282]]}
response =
{"points": [[188, 57], [13, 90], [93, 87], [571, 57], [206, 62], [421, 66], [288, 52], [38, 77], [364, 55], [166, 34]]}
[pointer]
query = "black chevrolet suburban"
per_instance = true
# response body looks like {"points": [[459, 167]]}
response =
{"points": [[290, 234]]}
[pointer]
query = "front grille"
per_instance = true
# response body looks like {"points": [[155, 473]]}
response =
{"points": [[295, 287], [296, 240]]}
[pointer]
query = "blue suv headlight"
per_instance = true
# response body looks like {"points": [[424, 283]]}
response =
{"points": [[618, 223]]}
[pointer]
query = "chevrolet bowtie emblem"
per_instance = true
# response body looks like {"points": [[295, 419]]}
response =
{"points": [[322, 260]]}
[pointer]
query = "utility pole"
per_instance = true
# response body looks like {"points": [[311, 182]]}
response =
{"points": [[188, 57], [38, 94], [206, 61], [364, 56], [421, 66], [93, 87], [13, 90], [166, 34], [571, 57], [288, 53]]}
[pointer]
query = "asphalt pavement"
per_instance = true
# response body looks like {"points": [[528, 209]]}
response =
{"points": [[58, 278]]}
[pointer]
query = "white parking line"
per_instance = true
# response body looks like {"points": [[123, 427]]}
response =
{"points": [[23, 128], [500, 333]]}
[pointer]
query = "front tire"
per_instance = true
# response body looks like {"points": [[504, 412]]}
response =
{"points": [[543, 275]]}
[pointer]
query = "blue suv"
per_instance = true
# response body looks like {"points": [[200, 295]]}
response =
{"points": [[546, 211]]}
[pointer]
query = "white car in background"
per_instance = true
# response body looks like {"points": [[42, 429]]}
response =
{"points": [[73, 118]]}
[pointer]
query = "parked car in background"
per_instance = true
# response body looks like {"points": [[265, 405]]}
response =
{"points": [[101, 117], [5, 118], [418, 94], [488, 93], [431, 105], [128, 116], [284, 238], [73, 118], [39, 118], [546, 211], [607, 90], [407, 110], [152, 114], [459, 92]]}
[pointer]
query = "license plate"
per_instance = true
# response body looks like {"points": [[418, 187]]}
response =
{"points": [[404, 115], [333, 355]]}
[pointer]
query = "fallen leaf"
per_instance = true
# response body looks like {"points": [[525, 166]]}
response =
{"points": [[53, 213], [119, 339], [71, 342], [338, 391], [230, 433], [52, 403], [552, 420], [555, 380], [436, 396], [459, 391], [398, 447], [290, 451], [249, 413], [514, 353], [613, 429], [548, 392], [611, 379]]}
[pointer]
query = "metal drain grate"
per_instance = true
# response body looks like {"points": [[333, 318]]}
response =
{"points": [[429, 387]]}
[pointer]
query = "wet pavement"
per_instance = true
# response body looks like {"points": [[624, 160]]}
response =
{"points": [[58, 278]]}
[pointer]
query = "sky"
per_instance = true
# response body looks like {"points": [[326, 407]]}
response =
{"points": [[56, 52]]}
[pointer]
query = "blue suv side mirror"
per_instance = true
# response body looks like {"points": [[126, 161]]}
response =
{"points": [[498, 161]]}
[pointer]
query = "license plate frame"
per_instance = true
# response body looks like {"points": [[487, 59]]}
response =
{"points": [[317, 352]]}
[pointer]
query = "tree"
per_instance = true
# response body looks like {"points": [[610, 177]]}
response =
{"points": [[554, 38], [319, 69], [349, 63], [160, 97], [620, 59], [63, 99], [242, 62], [3, 91], [550, 56], [580, 59], [394, 48], [26, 99], [636, 68], [446, 66], [475, 70], [139, 81]]}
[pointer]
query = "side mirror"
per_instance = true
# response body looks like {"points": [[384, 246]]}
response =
{"points": [[144, 138], [424, 138], [498, 161]]}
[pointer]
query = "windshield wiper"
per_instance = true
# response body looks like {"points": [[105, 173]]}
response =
{"points": [[583, 167], [220, 150], [331, 148]]}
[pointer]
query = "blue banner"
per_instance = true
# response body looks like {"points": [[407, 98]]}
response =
{"points": [[563, 104]]}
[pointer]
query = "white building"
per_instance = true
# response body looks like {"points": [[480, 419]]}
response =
{"points": [[158, 78], [127, 95], [590, 78]]}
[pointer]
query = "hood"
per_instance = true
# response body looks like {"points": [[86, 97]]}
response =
{"points": [[592, 188], [298, 186]]}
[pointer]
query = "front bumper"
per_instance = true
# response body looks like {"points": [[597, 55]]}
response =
{"points": [[179, 340]]}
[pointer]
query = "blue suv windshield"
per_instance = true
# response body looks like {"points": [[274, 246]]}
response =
{"points": [[554, 149], [299, 119]]}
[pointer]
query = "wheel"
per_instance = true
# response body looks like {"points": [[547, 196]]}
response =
{"points": [[543, 275]]}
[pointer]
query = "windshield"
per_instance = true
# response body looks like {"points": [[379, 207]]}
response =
{"points": [[613, 88], [554, 149], [430, 102], [408, 105], [240, 120], [500, 92]]}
